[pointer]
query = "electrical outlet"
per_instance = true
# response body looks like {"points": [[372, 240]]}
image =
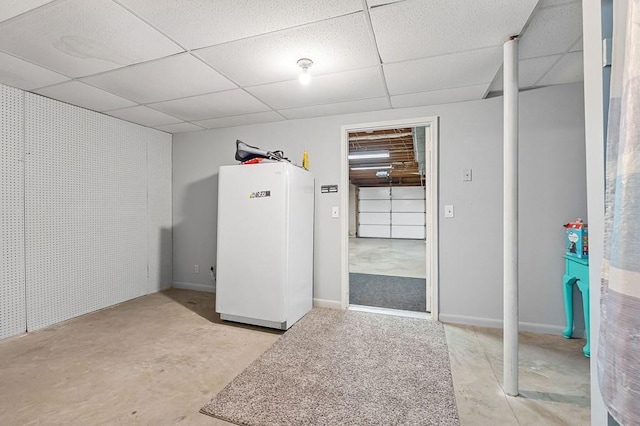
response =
{"points": [[196, 269]]}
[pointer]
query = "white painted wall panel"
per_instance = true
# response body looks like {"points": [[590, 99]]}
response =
{"points": [[12, 298], [159, 240], [408, 193], [374, 231], [408, 232], [92, 200], [407, 206], [374, 218], [374, 193], [86, 211], [374, 205], [408, 219]]}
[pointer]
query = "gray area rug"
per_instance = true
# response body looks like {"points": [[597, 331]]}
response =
{"points": [[384, 291], [346, 368]]}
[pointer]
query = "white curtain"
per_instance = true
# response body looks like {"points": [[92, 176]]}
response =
{"points": [[619, 343]]}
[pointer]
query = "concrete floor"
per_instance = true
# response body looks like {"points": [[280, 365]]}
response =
{"points": [[154, 360], [385, 256], [158, 359], [553, 379]]}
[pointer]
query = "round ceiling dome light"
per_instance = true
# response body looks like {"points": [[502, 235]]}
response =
{"points": [[304, 77]]}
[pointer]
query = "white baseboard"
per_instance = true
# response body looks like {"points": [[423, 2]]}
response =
{"points": [[331, 304], [193, 286], [494, 323]]}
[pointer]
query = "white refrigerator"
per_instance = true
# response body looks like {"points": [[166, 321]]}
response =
{"points": [[265, 244]]}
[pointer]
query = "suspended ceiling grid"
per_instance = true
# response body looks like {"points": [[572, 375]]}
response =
{"points": [[184, 65]]}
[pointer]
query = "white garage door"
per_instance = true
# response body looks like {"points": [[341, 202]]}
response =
{"points": [[374, 213], [392, 212]]}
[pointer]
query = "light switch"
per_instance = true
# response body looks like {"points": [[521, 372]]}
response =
{"points": [[335, 212], [448, 210], [466, 175]]}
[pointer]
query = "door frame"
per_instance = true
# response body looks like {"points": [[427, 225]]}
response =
{"points": [[431, 211]]}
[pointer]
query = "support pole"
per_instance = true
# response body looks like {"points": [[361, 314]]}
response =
{"points": [[510, 246]]}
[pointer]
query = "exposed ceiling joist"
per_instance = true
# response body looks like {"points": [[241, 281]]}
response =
{"points": [[401, 163]]}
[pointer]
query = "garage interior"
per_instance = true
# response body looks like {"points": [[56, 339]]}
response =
{"points": [[387, 219]]}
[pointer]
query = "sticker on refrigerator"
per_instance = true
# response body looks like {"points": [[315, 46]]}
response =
{"points": [[260, 194]]}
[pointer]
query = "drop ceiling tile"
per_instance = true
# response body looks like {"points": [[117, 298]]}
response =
{"points": [[423, 28], [174, 77], [552, 31], [376, 3], [548, 3], [179, 128], [375, 104], [324, 89], [82, 37], [443, 72], [201, 23], [24, 75], [497, 83], [529, 72], [11, 8], [334, 45], [213, 105], [436, 97], [568, 70], [83, 95], [241, 120], [143, 115]]}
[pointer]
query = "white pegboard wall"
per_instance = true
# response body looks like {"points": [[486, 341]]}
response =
{"points": [[12, 279], [159, 237], [86, 211]]}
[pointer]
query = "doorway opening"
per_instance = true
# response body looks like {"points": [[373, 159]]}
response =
{"points": [[390, 232]]}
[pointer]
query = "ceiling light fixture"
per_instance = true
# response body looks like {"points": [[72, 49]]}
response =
{"points": [[371, 168], [304, 77], [362, 155]]}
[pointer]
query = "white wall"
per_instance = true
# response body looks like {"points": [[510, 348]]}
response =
{"points": [[12, 285], [96, 216], [552, 192]]}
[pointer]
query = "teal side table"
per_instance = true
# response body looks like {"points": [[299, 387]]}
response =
{"points": [[576, 272]]}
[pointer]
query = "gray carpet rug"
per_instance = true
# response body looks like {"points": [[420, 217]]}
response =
{"points": [[384, 291], [346, 368]]}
